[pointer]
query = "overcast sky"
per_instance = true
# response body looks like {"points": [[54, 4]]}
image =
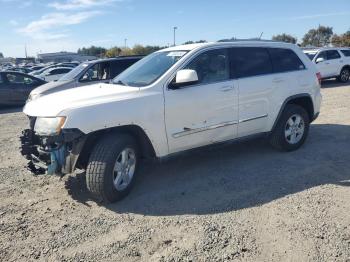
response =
{"points": [[66, 25]]}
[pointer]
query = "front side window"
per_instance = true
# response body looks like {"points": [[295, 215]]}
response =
{"points": [[15, 78], [211, 66], [149, 69], [285, 60], [310, 55], [332, 54], [250, 61], [322, 55]]}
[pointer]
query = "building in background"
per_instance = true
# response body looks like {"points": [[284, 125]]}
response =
{"points": [[64, 57]]}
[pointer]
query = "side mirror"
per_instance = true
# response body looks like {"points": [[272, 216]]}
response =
{"points": [[319, 60], [184, 77]]}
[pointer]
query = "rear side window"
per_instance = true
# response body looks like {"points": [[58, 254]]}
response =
{"points": [[120, 65], [285, 60], [250, 61], [346, 52], [332, 54]]}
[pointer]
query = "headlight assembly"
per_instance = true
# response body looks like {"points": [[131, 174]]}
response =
{"points": [[33, 97], [49, 126]]}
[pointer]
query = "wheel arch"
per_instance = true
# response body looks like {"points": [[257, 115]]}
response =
{"points": [[140, 136], [303, 100], [344, 67]]}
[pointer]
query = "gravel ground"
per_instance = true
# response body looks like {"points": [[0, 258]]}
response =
{"points": [[242, 201]]}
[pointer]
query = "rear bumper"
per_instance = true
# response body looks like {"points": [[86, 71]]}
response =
{"points": [[52, 155]]}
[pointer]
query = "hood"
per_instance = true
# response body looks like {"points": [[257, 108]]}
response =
{"points": [[52, 87], [52, 104]]}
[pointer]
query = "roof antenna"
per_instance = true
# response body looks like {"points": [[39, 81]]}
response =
{"points": [[261, 35]]}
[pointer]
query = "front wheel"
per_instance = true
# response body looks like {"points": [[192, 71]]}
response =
{"points": [[112, 167], [292, 129], [344, 75]]}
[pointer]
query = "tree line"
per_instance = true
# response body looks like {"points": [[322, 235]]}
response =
{"points": [[317, 37]]}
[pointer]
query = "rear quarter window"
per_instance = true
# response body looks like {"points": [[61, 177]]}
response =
{"points": [[120, 65], [346, 53], [285, 60], [250, 61]]}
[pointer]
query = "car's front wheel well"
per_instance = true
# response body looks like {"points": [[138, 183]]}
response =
{"points": [[144, 143]]}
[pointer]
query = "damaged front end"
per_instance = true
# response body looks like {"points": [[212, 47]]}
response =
{"points": [[57, 154]]}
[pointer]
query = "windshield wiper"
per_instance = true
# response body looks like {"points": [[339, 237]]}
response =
{"points": [[120, 83]]}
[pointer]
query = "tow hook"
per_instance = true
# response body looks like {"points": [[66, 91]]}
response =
{"points": [[57, 158]]}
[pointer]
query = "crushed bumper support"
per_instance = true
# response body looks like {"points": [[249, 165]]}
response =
{"points": [[52, 155]]}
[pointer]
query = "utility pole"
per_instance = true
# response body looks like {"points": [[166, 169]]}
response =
{"points": [[175, 27], [125, 42], [25, 50]]}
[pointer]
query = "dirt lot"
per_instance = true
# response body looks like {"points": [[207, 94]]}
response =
{"points": [[235, 202]]}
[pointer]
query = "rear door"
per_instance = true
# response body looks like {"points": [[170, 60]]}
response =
{"points": [[253, 68], [5, 91], [14, 88]]}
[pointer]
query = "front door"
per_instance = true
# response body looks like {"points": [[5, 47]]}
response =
{"points": [[14, 86], [323, 67], [206, 112]]}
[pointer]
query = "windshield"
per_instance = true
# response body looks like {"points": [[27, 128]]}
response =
{"points": [[148, 69], [310, 55], [74, 73]]}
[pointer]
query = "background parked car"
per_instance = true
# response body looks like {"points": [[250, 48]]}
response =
{"points": [[97, 71], [40, 71], [15, 87], [53, 74], [331, 62]]}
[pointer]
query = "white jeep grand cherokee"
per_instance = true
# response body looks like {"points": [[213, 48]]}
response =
{"points": [[331, 62], [173, 100]]}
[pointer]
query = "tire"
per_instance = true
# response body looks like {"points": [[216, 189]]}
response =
{"points": [[101, 173], [344, 75], [279, 137]]}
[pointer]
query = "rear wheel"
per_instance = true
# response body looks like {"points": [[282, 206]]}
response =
{"points": [[344, 75], [112, 167], [291, 130]]}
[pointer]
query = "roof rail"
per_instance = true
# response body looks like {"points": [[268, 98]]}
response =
{"points": [[248, 40]]}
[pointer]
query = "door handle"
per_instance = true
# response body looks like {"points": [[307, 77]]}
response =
{"points": [[226, 88], [327, 63]]}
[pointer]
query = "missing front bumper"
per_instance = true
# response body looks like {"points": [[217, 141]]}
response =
{"points": [[52, 155]]}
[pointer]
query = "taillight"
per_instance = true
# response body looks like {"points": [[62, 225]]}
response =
{"points": [[319, 77]]}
